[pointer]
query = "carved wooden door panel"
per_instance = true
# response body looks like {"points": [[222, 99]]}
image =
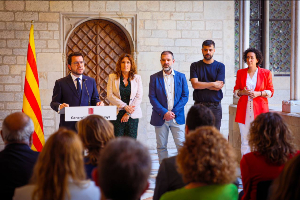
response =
{"points": [[102, 43]]}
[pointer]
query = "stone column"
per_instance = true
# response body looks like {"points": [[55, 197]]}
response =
{"points": [[266, 30], [293, 105], [241, 35], [297, 52], [246, 28], [244, 17]]}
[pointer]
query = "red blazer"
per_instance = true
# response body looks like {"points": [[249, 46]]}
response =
{"points": [[260, 104], [254, 169]]}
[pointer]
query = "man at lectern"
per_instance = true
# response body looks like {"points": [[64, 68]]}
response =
{"points": [[74, 90]]}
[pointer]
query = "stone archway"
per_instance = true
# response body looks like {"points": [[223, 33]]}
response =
{"points": [[102, 43]]}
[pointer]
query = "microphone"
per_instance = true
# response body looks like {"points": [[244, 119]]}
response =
{"points": [[84, 79]]}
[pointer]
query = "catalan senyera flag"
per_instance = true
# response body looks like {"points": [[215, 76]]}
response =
{"points": [[31, 98]]}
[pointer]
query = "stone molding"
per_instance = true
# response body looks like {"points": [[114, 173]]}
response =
{"points": [[126, 21]]}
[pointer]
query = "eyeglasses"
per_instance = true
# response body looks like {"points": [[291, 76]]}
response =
{"points": [[76, 63]]}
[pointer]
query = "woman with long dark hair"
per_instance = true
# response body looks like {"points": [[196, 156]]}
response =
{"points": [[125, 90], [271, 146], [286, 186], [95, 132]]}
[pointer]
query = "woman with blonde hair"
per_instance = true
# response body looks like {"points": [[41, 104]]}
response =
{"points": [[271, 146], [125, 90], [208, 166], [95, 132], [59, 172]]}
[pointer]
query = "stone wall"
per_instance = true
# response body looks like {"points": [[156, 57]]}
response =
{"points": [[179, 26]]}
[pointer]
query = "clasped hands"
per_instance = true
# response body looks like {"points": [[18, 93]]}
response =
{"points": [[249, 93], [130, 110], [169, 116]]}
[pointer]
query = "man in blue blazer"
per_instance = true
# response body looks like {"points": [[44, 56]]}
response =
{"points": [[74, 90], [168, 94]]}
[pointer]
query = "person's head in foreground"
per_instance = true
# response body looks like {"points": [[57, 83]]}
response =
{"points": [[124, 169], [95, 132], [17, 128], [207, 158], [286, 186], [269, 136], [60, 161], [199, 115]]}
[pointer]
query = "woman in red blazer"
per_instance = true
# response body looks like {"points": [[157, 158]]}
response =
{"points": [[253, 85]]}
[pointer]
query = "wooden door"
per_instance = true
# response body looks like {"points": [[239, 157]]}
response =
{"points": [[102, 43]]}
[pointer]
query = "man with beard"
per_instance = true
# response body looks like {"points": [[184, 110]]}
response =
{"points": [[207, 77], [168, 94], [74, 90]]}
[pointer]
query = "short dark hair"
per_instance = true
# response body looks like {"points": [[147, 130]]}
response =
{"points": [[73, 54], [123, 169], [166, 53], [258, 55], [208, 43], [199, 115]]}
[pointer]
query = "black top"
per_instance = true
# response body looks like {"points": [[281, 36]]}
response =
{"points": [[125, 91], [88, 168], [168, 179], [207, 73]]}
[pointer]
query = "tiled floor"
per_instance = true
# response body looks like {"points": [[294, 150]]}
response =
{"points": [[155, 166]]}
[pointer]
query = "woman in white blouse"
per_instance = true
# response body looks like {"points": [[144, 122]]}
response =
{"points": [[59, 172], [253, 85]]}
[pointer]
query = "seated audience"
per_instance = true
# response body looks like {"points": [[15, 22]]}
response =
{"points": [[271, 146], [208, 165], [59, 172], [287, 185], [124, 169], [17, 159], [168, 179], [94, 132]]}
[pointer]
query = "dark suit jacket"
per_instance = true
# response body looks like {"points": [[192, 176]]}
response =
{"points": [[65, 92], [16, 166], [168, 179], [158, 98]]}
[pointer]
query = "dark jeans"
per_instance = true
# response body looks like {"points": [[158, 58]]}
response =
{"points": [[216, 110]]}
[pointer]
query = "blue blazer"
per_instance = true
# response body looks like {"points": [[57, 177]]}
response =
{"points": [[159, 101], [64, 91]]}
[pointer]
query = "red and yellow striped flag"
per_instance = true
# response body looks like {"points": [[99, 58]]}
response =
{"points": [[31, 97]]}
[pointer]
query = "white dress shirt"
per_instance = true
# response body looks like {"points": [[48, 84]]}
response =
{"points": [[169, 86], [75, 81]]}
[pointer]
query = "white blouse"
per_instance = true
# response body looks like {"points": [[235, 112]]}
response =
{"points": [[88, 191], [251, 85]]}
